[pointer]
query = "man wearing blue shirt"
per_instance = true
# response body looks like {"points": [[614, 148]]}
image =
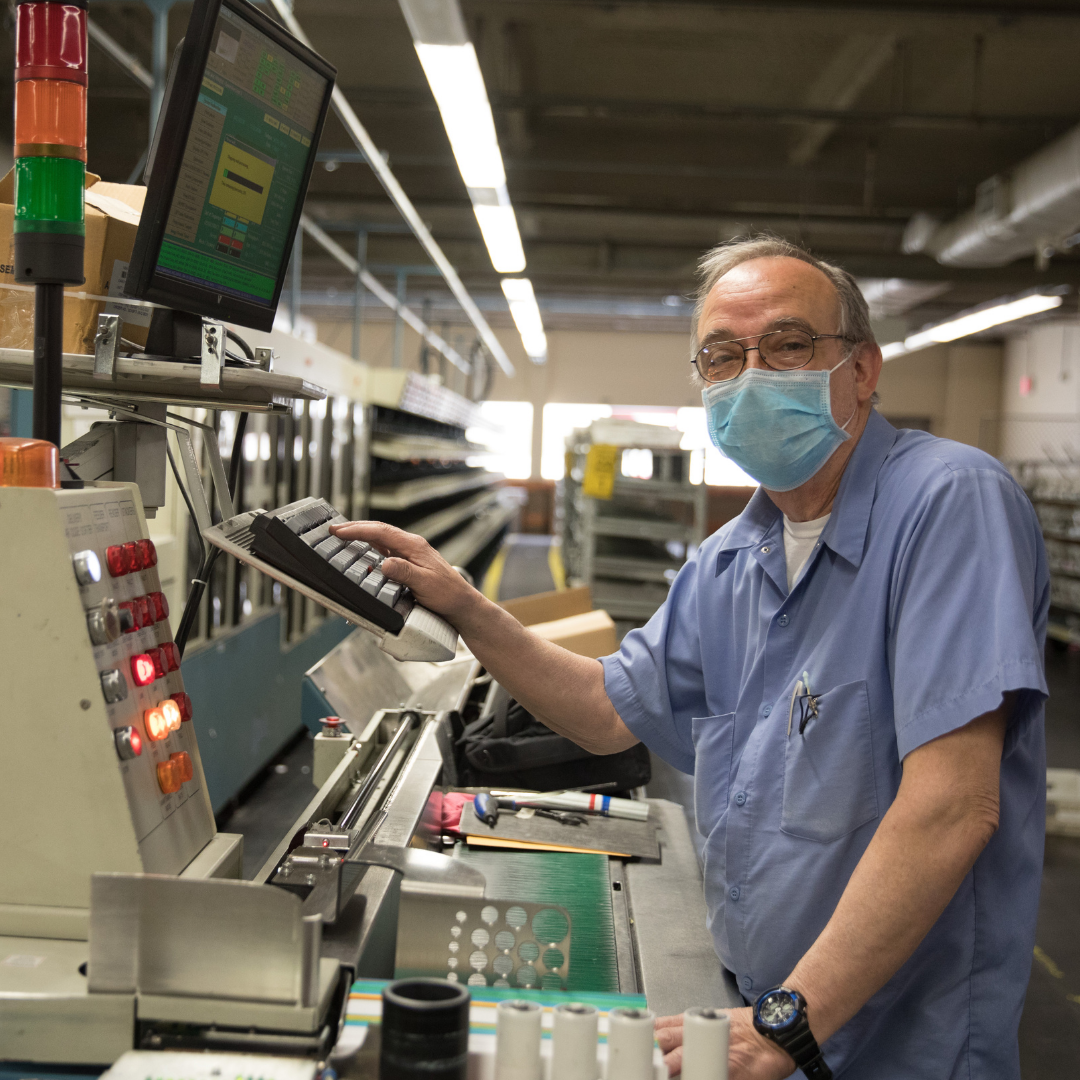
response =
{"points": [[852, 670]]}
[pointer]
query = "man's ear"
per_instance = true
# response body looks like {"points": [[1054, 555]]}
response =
{"points": [[867, 362]]}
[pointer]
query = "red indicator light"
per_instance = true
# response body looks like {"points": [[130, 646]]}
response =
{"points": [[159, 605], [142, 669], [183, 765], [157, 724], [184, 703], [326, 843], [172, 656], [135, 742], [50, 42], [134, 555], [171, 711], [148, 551], [168, 776], [157, 658], [116, 558]]}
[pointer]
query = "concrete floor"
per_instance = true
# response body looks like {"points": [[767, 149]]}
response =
{"points": [[1050, 1026]]}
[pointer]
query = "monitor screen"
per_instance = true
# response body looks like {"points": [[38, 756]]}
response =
{"points": [[234, 153]]}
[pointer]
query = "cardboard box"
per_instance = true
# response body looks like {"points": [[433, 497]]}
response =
{"points": [[547, 606], [590, 634], [112, 219]]}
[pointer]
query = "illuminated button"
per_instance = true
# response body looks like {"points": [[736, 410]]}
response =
{"points": [[158, 605], [171, 711], [168, 776], [118, 560], [134, 555], [113, 685], [183, 764], [87, 567], [172, 656], [157, 724], [148, 553], [103, 622], [128, 743], [142, 669], [183, 702]]}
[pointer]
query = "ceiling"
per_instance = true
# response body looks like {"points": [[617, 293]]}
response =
{"points": [[637, 134]]}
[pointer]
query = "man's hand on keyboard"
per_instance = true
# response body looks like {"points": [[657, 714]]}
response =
{"points": [[411, 560]]}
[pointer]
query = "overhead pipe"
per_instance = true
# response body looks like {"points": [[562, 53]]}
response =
{"points": [[1034, 209]]}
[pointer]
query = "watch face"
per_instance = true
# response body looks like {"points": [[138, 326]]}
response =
{"points": [[777, 1009]]}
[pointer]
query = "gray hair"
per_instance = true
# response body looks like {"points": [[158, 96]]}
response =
{"points": [[854, 313]]}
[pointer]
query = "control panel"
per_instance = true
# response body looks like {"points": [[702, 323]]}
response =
{"points": [[127, 623]]}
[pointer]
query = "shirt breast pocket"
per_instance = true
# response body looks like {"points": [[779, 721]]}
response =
{"points": [[714, 737], [829, 783]]}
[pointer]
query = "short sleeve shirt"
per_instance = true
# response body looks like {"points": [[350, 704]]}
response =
{"points": [[924, 602]]}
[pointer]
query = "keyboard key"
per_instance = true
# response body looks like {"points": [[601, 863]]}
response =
{"points": [[373, 582], [357, 572], [314, 537], [343, 559], [330, 547], [371, 558], [390, 592]]}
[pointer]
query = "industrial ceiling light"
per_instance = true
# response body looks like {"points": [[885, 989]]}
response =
{"points": [[453, 73], [972, 323], [526, 314]]}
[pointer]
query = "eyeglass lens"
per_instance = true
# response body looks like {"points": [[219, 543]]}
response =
{"points": [[781, 349]]}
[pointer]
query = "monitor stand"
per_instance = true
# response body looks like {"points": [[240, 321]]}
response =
{"points": [[174, 335]]}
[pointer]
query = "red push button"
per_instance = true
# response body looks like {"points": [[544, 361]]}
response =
{"points": [[143, 669], [172, 656], [158, 605], [184, 702], [148, 553], [134, 555], [169, 776], [129, 626], [146, 610], [157, 657], [118, 559], [183, 764]]}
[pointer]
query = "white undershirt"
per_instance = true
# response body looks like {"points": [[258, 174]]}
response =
{"points": [[800, 539]]}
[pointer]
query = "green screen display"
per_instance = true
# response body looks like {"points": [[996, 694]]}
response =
{"points": [[243, 167]]}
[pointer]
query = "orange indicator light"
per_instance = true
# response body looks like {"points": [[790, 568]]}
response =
{"points": [[183, 765], [171, 712], [157, 724], [169, 777]]}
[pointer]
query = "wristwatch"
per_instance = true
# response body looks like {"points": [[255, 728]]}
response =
{"points": [[780, 1015]]}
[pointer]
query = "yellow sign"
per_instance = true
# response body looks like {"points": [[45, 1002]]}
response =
{"points": [[599, 481], [241, 183]]}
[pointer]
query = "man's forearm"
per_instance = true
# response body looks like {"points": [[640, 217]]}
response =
{"points": [[925, 846], [563, 690]]}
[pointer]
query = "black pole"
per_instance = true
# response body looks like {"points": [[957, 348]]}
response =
{"points": [[48, 360]]}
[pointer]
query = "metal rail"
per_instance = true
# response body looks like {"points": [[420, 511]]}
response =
{"points": [[409, 720]]}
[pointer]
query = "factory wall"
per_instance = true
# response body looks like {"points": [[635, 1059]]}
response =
{"points": [[954, 389]]}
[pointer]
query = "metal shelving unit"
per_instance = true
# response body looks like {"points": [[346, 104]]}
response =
{"points": [[628, 548]]}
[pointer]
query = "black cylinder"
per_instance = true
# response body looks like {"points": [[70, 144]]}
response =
{"points": [[425, 1030], [48, 361]]}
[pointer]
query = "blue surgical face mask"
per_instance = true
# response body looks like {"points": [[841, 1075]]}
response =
{"points": [[776, 425]]}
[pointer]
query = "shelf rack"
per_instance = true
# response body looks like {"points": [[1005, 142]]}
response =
{"points": [[628, 548]]}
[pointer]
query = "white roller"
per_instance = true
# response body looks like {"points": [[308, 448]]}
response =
{"points": [[630, 1044], [573, 1042], [517, 1040], [705, 1044]]}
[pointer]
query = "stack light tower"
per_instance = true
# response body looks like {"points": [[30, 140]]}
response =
{"points": [[50, 179]]}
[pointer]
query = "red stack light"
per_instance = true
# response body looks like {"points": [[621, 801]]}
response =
{"points": [[50, 42]]}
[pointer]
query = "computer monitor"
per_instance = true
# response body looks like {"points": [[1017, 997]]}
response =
{"points": [[232, 156]]}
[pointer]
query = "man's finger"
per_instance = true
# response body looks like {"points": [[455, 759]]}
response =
{"points": [[668, 1038], [399, 570], [674, 1061], [381, 535], [669, 1021]]}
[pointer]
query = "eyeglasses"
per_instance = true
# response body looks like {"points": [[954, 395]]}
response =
{"points": [[782, 350]]}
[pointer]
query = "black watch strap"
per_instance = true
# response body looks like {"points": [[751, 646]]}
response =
{"points": [[803, 1047], [816, 1069]]}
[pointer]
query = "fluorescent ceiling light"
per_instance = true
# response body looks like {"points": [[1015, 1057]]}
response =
{"points": [[526, 314], [973, 323], [499, 228], [454, 75]]}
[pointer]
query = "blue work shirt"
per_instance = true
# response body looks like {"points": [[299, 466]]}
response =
{"points": [[924, 601]]}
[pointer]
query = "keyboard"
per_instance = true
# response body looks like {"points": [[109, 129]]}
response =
{"points": [[294, 545]]}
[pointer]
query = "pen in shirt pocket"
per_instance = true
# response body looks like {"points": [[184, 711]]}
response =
{"points": [[808, 704]]}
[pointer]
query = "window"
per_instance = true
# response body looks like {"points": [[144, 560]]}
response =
{"points": [[559, 421], [508, 437]]}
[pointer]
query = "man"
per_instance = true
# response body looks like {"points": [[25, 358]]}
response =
{"points": [[852, 670]]}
